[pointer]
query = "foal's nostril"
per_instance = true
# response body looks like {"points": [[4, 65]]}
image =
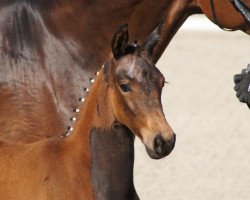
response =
{"points": [[159, 145], [163, 147]]}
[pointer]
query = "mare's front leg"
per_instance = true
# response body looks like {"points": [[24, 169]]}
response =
{"points": [[242, 85]]}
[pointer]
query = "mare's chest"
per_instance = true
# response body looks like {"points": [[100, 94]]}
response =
{"points": [[112, 155]]}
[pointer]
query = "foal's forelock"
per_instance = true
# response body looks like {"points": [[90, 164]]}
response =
{"points": [[143, 72]]}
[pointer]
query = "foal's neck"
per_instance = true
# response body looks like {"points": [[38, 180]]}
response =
{"points": [[105, 146], [97, 110]]}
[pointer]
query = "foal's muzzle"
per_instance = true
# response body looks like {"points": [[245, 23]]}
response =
{"points": [[161, 147]]}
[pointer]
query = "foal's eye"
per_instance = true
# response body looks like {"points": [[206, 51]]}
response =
{"points": [[125, 87]]}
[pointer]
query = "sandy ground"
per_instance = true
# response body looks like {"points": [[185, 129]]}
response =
{"points": [[211, 160]]}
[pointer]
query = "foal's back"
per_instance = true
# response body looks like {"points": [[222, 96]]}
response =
{"points": [[42, 170]]}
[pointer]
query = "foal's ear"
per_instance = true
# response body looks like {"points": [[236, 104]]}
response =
{"points": [[120, 41], [153, 39]]}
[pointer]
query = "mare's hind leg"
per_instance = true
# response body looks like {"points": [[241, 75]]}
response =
{"points": [[242, 85]]}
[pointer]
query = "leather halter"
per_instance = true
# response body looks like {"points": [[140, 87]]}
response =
{"points": [[239, 6], [242, 8], [215, 17]]}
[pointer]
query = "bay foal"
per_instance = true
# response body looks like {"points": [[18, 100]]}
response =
{"points": [[127, 92]]}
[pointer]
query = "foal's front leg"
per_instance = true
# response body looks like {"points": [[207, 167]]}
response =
{"points": [[242, 85]]}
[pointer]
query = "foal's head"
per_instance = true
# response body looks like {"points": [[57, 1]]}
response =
{"points": [[137, 86]]}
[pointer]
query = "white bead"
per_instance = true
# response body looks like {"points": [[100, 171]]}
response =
{"points": [[70, 128], [77, 110], [92, 80], [97, 73], [67, 134], [86, 89], [81, 99], [73, 119]]}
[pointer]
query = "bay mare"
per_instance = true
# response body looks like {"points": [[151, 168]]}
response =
{"points": [[127, 91], [51, 49]]}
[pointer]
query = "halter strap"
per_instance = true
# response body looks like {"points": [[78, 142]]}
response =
{"points": [[242, 8], [215, 17]]}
